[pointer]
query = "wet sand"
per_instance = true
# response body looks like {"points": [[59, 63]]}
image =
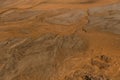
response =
{"points": [[59, 40]]}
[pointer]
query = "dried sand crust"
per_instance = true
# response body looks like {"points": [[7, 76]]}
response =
{"points": [[41, 40]]}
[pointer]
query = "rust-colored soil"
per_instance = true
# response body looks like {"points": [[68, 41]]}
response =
{"points": [[59, 40]]}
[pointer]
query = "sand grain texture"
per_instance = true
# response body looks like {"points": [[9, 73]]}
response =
{"points": [[60, 40]]}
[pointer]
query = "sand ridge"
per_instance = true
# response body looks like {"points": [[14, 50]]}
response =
{"points": [[59, 40]]}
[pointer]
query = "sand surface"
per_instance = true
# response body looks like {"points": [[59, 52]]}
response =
{"points": [[59, 40]]}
